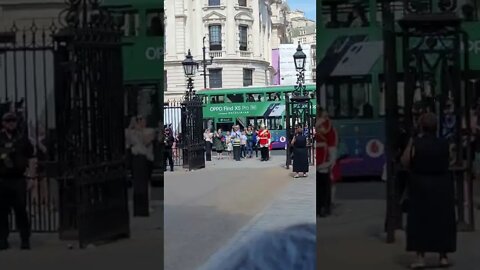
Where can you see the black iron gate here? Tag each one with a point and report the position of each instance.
(433, 73)
(90, 124)
(192, 133)
(26, 88)
(172, 118)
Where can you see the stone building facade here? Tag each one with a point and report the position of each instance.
(239, 34)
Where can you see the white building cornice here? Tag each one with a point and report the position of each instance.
(219, 62)
(244, 18)
(206, 8)
(248, 9)
(214, 16)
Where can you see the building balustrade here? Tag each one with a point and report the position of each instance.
(246, 54)
(216, 54)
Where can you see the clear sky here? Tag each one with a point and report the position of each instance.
(308, 6)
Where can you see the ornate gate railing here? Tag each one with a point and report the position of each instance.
(90, 124)
(192, 134)
(27, 88)
(433, 73)
(173, 119)
(433, 60)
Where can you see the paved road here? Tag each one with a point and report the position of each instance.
(143, 250)
(353, 238)
(294, 205)
(204, 210)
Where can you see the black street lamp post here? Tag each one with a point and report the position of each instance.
(190, 67)
(298, 105)
(192, 120)
(205, 63)
(300, 60)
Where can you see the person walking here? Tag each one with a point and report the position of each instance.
(219, 143)
(236, 143)
(141, 141)
(16, 166)
(264, 138)
(168, 144)
(431, 220)
(208, 137)
(300, 156)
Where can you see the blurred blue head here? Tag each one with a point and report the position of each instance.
(293, 248)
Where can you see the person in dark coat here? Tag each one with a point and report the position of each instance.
(300, 153)
(168, 144)
(431, 221)
(17, 169)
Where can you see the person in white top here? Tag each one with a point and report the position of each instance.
(140, 139)
(228, 142)
(208, 137)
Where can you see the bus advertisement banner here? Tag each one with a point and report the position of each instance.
(260, 109)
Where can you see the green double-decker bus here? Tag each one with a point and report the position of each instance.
(250, 106)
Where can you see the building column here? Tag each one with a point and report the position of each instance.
(232, 33)
(170, 31)
(256, 28)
